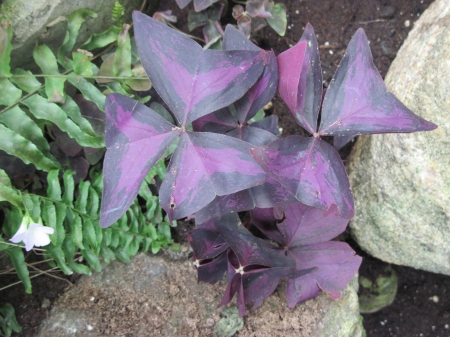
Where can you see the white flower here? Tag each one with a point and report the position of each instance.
(32, 234)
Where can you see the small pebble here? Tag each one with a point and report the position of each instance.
(446, 326)
(210, 322)
(92, 299)
(407, 23)
(89, 327)
(327, 43)
(45, 303)
(297, 11)
(331, 52)
(387, 12)
(435, 299)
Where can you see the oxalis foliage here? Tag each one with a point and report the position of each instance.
(295, 187)
(61, 135)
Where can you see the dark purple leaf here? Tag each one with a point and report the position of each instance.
(306, 225)
(206, 243)
(340, 141)
(357, 101)
(310, 84)
(290, 65)
(201, 168)
(269, 123)
(254, 136)
(220, 121)
(191, 81)
(268, 194)
(212, 271)
(264, 89)
(336, 265)
(92, 113)
(67, 144)
(77, 164)
(309, 168)
(136, 138)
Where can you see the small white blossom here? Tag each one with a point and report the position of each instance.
(32, 234)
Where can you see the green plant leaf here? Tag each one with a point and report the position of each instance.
(54, 86)
(93, 203)
(89, 233)
(8, 315)
(69, 251)
(102, 40)
(17, 258)
(8, 192)
(75, 20)
(42, 109)
(54, 187)
(16, 145)
(92, 259)
(122, 57)
(10, 93)
(89, 91)
(77, 232)
(5, 49)
(83, 193)
(25, 80)
(69, 187)
(122, 255)
(49, 217)
(73, 111)
(81, 64)
(17, 120)
(58, 255)
(33, 205)
(278, 21)
(107, 253)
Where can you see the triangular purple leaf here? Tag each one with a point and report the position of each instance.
(291, 84)
(269, 123)
(306, 225)
(206, 243)
(200, 169)
(264, 89)
(309, 168)
(136, 138)
(191, 81)
(307, 81)
(336, 265)
(268, 194)
(211, 271)
(357, 100)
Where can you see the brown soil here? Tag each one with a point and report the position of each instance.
(415, 311)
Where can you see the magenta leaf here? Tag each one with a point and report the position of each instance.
(357, 101)
(310, 169)
(191, 81)
(201, 168)
(269, 123)
(306, 225)
(265, 88)
(254, 266)
(336, 265)
(210, 257)
(136, 138)
(291, 84)
(268, 194)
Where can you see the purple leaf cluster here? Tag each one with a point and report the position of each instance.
(296, 188)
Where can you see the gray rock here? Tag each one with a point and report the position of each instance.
(45, 21)
(401, 182)
(158, 296)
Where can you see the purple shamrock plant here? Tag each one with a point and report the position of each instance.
(295, 188)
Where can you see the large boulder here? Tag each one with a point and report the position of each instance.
(45, 21)
(160, 296)
(401, 182)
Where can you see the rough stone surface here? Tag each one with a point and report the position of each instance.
(401, 182)
(45, 21)
(160, 296)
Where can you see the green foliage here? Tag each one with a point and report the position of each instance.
(72, 211)
(8, 321)
(30, 109)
